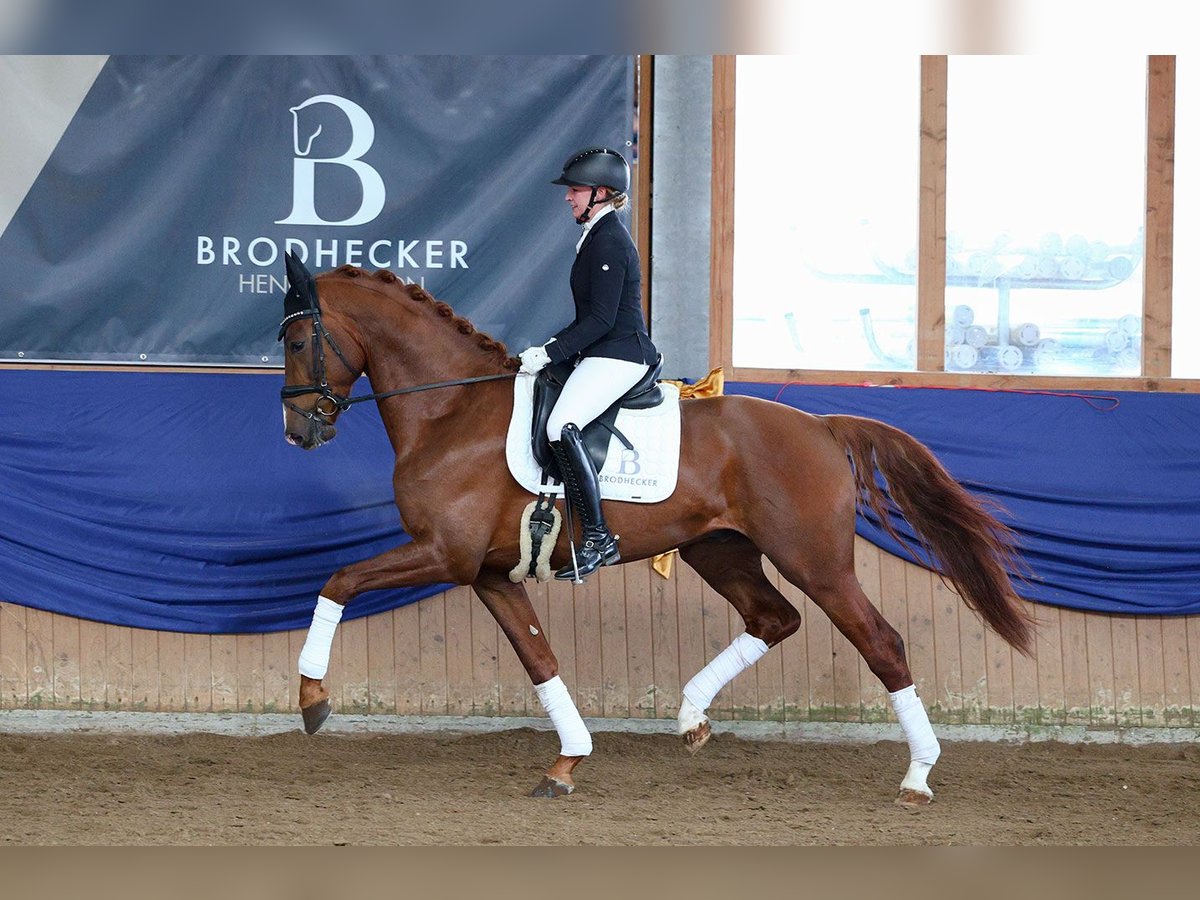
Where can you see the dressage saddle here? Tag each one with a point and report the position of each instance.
(646, 394)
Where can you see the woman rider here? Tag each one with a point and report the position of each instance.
(607, 340)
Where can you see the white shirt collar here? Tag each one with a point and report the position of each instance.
(597, 215)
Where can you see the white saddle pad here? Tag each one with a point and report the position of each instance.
(646, 474)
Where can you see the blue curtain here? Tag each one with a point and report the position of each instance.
(170, 500)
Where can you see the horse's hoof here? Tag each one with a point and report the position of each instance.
(315, 716)
(551, 788)
(911, 799)
(697, 737)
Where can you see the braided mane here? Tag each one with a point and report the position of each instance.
(418, 294)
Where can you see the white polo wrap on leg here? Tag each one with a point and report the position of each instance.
(314, 657)
(559, 706)
(698, 693)
(923, 746)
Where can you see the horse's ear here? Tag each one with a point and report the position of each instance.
(301, 298)
(297, 275)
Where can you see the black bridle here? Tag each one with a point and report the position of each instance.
(335, 403)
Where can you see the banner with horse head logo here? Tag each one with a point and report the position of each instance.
(151, 227)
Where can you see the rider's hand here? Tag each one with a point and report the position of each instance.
(534, 360)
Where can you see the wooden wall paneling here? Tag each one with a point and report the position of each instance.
(353, 672)
(280, 672)
(1151, 665)
(1051, 684)
(720, 316)
(459, 672)
(432, 617)
(643, 168)
(224, 673)
(93, 665)
(249, 652)
(946, 701)
(715, 616)
(931, 240)
(690, 617)
(146, 676)
(198, 672)
(614, 648)
(872, 696)
(64, 632)
(794, 657)
(485, 664)
(1125, 671)
(589, 652)
(1177, 704)
(893, 602)
(1100, 669)
(560, 625)
(406, 656)
(1158, 261)
(818, 645)
(999, 678)
(769, 671)
(172, 677)
(1026, 699)
(973, 654)
(922, 650)
(639, 637)
(668, 679)
(118, 654)
(1077, 682)
(14, 665)
(381, 662)
(1192, 630)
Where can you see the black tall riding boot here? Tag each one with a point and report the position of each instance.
(583, 486)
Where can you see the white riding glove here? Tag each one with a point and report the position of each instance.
(534, 360)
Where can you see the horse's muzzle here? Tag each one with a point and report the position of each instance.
(312, 437)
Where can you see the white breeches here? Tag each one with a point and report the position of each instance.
(591, 389)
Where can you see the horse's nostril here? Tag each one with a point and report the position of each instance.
(294, 439)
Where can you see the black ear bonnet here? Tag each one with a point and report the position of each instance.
(301, 298)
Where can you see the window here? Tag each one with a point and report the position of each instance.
(1185, 319)
(1065, 181)
(1045, 186)
(825, 212)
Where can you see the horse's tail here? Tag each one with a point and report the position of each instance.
(969, 547)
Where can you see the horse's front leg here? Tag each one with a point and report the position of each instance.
(510, 606)
(415, 563)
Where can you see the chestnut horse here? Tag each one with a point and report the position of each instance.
(756, 479)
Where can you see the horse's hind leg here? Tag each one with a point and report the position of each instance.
(835, 589)
(510, 606)
(732, 565)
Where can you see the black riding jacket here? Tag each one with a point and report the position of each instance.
(606, 285)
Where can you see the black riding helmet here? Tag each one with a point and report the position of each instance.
(595, 167)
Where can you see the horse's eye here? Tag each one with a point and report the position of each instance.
(296, 346)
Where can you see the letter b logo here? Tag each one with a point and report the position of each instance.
(629, 462)
(304, 167)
